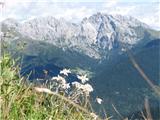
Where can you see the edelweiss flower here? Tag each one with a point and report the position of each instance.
(65, 71)
(43, 90)
(99, 100)
(66, 86)
(77, 85)
(59, 79)
(87, 88)
(83, 78)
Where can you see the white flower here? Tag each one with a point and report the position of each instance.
(59, 79)
(87, 88)
(94, 116)
(99, 100)
(65, 71)
(77, 85)
(83, 78)
(43, 90)
(66, 86)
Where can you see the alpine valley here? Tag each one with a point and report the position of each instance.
(97, 46)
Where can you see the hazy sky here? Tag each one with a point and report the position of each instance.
(147, 11)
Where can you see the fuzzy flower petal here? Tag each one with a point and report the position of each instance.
(83, 78)
(99, 100)
(59, 79)
(65, 72)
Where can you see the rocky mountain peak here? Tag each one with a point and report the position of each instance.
(93, 36)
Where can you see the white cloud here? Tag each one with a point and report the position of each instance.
(75, 11)
(145, 12)
(119, 10)
(110, 3)
(152, 18)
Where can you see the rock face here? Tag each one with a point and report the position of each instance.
(93, 36)
(55, 43)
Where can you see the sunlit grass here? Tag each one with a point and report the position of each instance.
(21, 100)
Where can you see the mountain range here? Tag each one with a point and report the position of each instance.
(97, 45)
(94, 36)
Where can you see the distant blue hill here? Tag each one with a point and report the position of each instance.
(153, 43)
